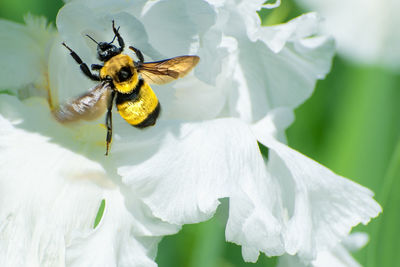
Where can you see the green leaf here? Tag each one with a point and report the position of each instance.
(100, 213)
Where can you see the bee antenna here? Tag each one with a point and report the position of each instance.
(92, 39)
(115, 36)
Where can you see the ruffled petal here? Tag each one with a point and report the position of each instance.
(251, 221)
(262, 74)
(194, 165)
(276, 37)
(319, 208)
(339, 256)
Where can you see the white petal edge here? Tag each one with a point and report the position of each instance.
(321, 206)
(339, 256)
(304, 26)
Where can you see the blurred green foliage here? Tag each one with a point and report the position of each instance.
(355, 132)
(16, 9)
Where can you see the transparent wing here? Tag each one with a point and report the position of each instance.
(88, 106)
(164, 71)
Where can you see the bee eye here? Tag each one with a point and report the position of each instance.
(124, 74)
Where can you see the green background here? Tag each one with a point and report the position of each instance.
(350, 125)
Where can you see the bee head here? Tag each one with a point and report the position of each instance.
(105, 51)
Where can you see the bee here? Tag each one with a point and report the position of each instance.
(124, 80)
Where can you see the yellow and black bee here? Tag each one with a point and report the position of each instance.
(125, 80)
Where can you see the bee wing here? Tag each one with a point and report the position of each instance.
(164, 71)
(88, 106)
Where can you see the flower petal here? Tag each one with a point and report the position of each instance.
(274, 124)
(355, 241)
(251, 222)
(50, 197)
(296, 29)
(113, 242)
(263, 75)
(192, 165)
(319, 207)
(204, 159)
(339, 256)
(23, 52)
(175, 38)
(42, 204)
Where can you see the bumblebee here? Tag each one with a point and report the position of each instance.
(124, 80)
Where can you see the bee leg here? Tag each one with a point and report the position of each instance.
(96, 67)
(84, 67)
(120, 40)
(138, 54)
(109, 122)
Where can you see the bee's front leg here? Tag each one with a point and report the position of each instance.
(84, 67)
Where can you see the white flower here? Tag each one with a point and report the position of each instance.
(203, 147)
(50, 197)
(366, 31)
(339, 256)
